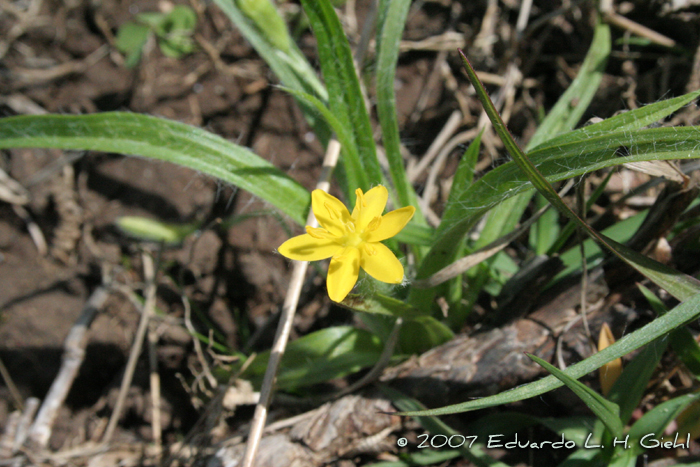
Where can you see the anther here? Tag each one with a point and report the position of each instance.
(361, 197)
(319, 234)
(371, 251)
(373, 224)
(350, 226)
(332, 213)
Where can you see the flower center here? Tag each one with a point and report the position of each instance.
(352, 238)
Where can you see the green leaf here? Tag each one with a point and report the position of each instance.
(153, 19)
(562, 117)
(344, 95)
(155, 231)
(342, 132)
(130, 40)
(381, 304)
(414, 234)
(608, 412)
(464, 176)
(626, 121)
(657, 419)
(423, 333)
(158, 138)
(681, 314)
(422, 457)
(268, 21)
(629, 388)
(321, 356)
(583, 457)
(571, 226)
(181, 17)
(175, 31)
(682, 340)
(544, 232)
(391, 22)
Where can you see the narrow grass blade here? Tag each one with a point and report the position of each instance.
(608, 412)
(344, 94)
(158, 138)
(268, 21)
(545, 231)
(344, 135)
(391, 22)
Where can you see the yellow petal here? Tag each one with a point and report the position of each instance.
(369, 206)
(307, 248)
(330, 212)
(342, 273)
(391, 223)
(380, 263)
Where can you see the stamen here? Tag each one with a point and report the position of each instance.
(332, 213)
(374, 224)
(350, 226)
(370, 250)
(361, 197)
(319, 234)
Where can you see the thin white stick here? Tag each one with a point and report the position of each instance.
(286, 320)
(73, 355)
(523, 17)
(149, 308)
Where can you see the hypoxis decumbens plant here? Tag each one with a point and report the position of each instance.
(335, 107)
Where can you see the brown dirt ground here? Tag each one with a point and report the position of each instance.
(61, 60)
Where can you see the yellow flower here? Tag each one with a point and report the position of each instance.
(352, 240)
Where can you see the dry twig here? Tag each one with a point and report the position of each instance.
(148, 309)
(73, 355)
